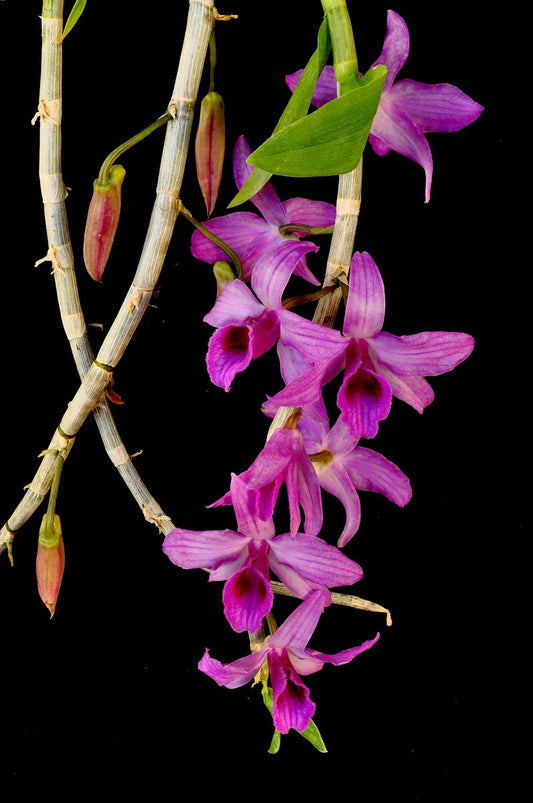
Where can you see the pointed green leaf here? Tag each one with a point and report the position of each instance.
(296, 108)
(312, 734)
(330, 140)
(275, 743)
(73, 17)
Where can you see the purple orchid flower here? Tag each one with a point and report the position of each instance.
(243, 558)
(283, 459)
(250, 235)
(250, 321)
(407, 109)
(377, 365)
(288, 657)
(343, 468)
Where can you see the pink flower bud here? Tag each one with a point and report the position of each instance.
(102, 222)
(50, 563)
(209, 147)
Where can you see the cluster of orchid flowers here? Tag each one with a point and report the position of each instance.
(307, 455)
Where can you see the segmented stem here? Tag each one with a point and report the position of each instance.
(97, 374)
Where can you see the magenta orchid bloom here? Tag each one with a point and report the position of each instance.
(377, 365)
(283, 460)
(407, 109)
(343, 468)
(250, 321)
(243, 558)
(249, 235)
(288, 657)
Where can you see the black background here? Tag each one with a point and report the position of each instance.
(107, 692)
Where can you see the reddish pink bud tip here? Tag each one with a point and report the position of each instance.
(102, 222)
(209, 147)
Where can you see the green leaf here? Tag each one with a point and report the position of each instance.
(73, 17)
(330, 140)
(275, 743)
(296, 108)
(312, 734)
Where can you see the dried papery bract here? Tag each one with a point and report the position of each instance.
(102, 221)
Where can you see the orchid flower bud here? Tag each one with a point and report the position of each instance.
(209, 147)
(224, 274)
(102, 221)
(50, 562)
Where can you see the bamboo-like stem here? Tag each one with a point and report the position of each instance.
(97, 376)
(60, 250)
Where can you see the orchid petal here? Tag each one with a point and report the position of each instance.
(266, 200)
(294, 582)
(236, 305)
(292, 706)
(344, 656)
(364, 400)
(291, 362)
(264, 333)
(435, 107)
(244, 503)
(315, 560)
(370, 471)
(240, 230)
(317, 343)
(303, 391)
(274, 268)
(365, 307)
(325, 87)
(247, 599)
(413, 390)
(235, 674)
(423, 354)
(395, 48)
(310, 213)
(336, 480)
(204, 549)
(303, 490)
(299, 626)
(393, 129)
(229, 352)
(339, 439)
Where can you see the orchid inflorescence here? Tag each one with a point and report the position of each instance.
(339, 370)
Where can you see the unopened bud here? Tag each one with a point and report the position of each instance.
(50, 562)
(209, 147)
(102, 222)
(224, 274)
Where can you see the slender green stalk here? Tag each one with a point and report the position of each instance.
(109, 161)
(214, 239)
(52, 498)
(98, 375)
